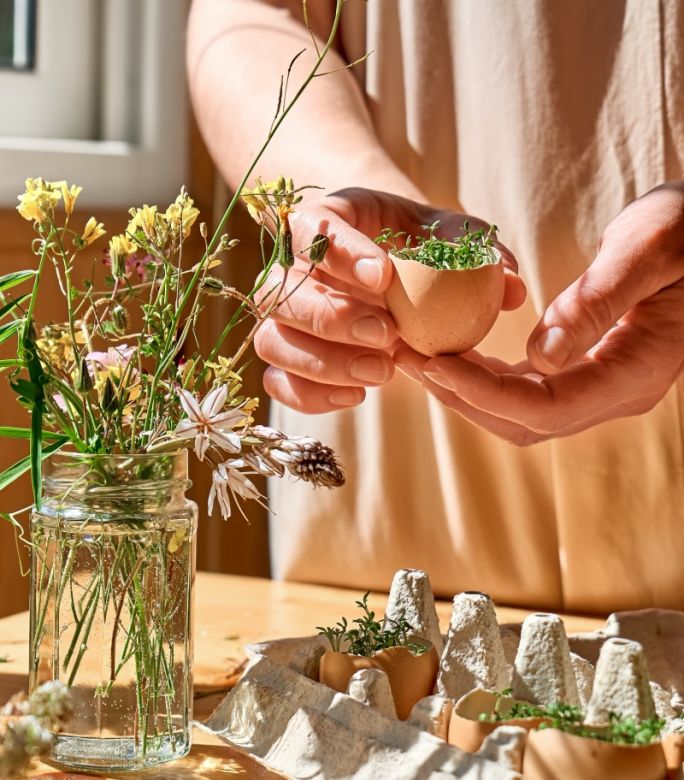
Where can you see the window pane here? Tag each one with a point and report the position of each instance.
(17, 34)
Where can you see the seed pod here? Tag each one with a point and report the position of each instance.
(212, 285)
(108, 397)
(120, 318)
(285, 254)
(85, 381)
(319, 246)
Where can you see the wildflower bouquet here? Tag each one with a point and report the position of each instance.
(118, 391)
(125, 373)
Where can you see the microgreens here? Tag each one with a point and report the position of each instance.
(470, 250)
(369, 636)
(570, 719)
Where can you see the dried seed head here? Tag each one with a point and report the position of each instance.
(308, 459)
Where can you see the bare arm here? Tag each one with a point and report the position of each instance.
(237, 51)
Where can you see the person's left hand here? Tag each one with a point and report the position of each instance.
(610, 345)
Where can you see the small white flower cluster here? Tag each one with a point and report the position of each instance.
(29, 733)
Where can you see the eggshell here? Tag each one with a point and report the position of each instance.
(411, 677)
(673, 747)
(441, 311)
(467, 732)
(554, 755)
(336, 669)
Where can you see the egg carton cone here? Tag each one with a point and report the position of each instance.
(473, 655)
(411, 597)
(543, 671)
(621, 684)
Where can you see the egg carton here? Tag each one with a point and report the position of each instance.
(280, 714)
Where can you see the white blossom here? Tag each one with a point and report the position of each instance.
(206, 423)
(227, 480)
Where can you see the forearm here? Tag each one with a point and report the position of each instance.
(237, 51)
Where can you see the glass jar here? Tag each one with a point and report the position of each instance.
(112, 577)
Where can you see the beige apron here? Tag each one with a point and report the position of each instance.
(547, 118)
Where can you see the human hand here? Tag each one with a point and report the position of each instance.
(333, 337)
(610, 345)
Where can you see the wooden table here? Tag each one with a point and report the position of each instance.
(231, 611)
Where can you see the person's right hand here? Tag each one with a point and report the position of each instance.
(333, 337)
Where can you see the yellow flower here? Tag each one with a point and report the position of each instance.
(92, 231)
(144, 219)
(181, 214)
(69, 195)
(39, 200)
(279, 194)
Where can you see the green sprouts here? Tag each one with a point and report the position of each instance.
(470, 250)
(369, 636)
(570, 719)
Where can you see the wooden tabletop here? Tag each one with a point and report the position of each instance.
(230, 612)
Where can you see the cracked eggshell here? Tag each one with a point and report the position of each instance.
(554, 755)
(411, 677)
(468, 732)
(441, 311)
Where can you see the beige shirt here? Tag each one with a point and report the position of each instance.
(546, 117)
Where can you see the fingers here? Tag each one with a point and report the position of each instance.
(627, 376)
(412, 364)
(352, 257)
(314, 308)
(515, 291)
(640, 254)
(309, 397)
(321, 361)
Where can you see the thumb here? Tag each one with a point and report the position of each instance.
(582, 314)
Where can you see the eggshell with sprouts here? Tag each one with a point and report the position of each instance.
(444, 311)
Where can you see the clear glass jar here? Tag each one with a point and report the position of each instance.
(112, 576)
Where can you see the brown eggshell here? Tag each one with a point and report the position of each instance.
(411, 677)
(554, 755)
(467, 732)
(444, 312)
(673, 747)
(336, 669)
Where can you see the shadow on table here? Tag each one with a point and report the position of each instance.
(205, 762)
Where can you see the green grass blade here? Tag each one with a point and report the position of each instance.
(16, 277)
(9, 329)
(19, 468)
(10, 432)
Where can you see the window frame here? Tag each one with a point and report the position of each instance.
(151, 164)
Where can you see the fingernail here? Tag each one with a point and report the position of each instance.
(370, 330)
(554, 346)
(438, 379)
(369, 368)
(369, 272)
(346, 396)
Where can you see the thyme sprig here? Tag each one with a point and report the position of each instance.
(470, 250)
(370, 636)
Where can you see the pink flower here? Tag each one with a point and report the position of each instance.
(115, 357)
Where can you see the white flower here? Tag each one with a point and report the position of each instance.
(226, 480)
(206, 422)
